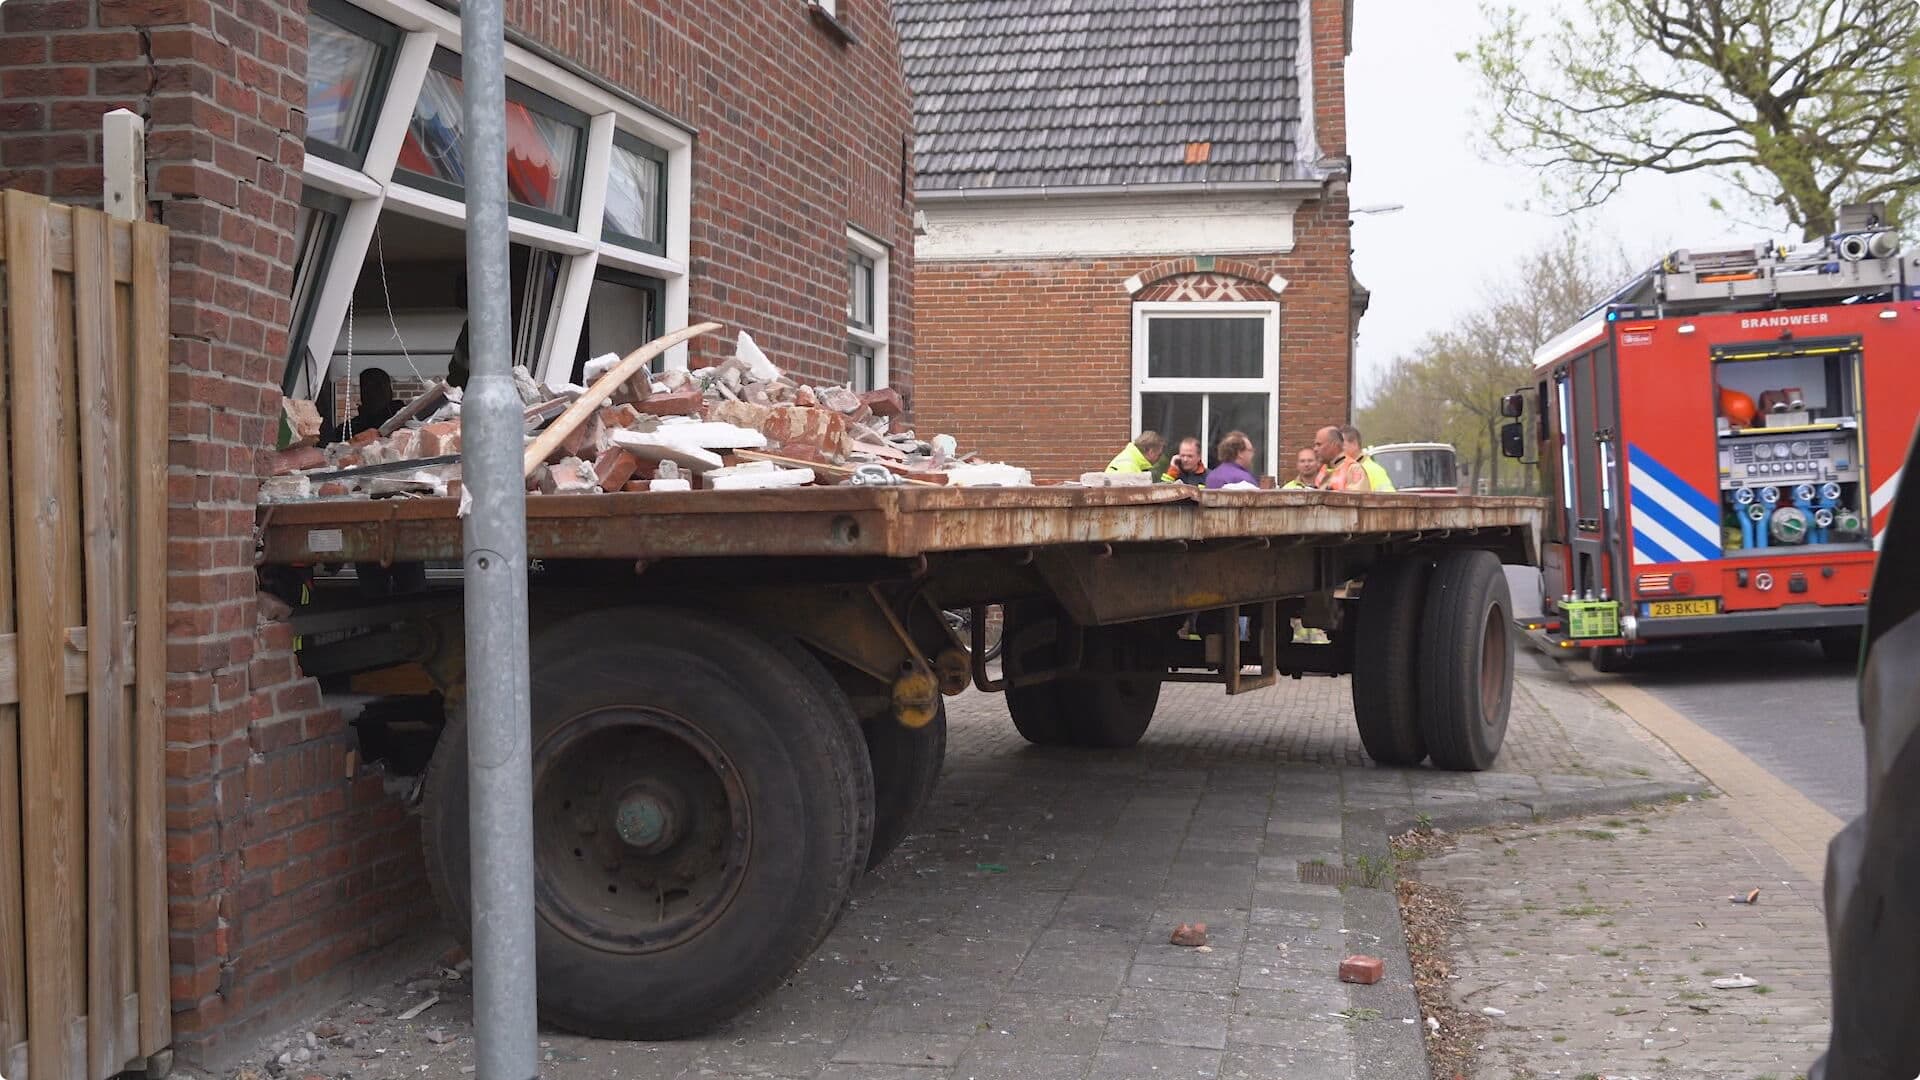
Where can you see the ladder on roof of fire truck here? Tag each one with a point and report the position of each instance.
(1860, 261)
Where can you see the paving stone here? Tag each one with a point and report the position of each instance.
(1170, 1017)
(1275, 1063)
(980, 1063)
(1046, 1023)
(1123, 1061)
(919, 1049)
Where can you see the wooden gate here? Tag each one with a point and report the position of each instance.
(83, 450)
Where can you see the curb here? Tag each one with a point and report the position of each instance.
(1389, 1049)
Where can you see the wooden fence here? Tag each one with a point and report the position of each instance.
(83, 446)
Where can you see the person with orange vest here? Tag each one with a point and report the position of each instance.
(1342, 473)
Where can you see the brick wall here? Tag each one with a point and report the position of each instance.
(801, 135)
(288, 862)
(1031, 362)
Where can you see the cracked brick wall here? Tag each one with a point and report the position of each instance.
(1031, 362)
(290, 866)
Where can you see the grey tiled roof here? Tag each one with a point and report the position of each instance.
(1025, 93)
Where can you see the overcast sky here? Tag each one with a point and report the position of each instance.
(1410, 130)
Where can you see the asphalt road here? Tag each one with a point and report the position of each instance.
(1779, 702)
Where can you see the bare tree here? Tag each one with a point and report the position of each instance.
(1800, 105)
(1449, 388)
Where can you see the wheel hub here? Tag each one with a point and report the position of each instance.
(646, 822)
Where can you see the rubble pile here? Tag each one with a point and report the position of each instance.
(741, 424)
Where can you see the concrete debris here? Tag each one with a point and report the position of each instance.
(430, 1002)
(704, 424)
(1116, 479)
(1735, 982)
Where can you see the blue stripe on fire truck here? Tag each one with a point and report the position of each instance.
(1672, 521)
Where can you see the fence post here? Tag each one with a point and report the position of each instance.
(124, 160)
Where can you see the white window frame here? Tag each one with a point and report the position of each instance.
(374, 188)
(1267, 382)
(876, 339)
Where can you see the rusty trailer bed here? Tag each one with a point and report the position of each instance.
(886, 522)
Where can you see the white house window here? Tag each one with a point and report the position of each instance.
(636, 213)
(349, 55)
(599, 193)
(866, 311)
(1201, 370)
(545, 140)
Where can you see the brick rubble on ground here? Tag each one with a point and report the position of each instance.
(737, 425)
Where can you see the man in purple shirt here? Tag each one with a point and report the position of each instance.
(1235, 456)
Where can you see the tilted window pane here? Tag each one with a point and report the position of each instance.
(340, 66)
(432, 147)
(540, 156)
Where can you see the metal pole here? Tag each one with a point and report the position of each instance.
(499, 766)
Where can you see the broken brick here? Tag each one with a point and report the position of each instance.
(1190, 935)
(636, 485)
(403, 445)
(296, 460)
(438, 440)
(619, 416)
(334, 489)
(838, 398)
(1365, 970)
(674, 403)
(584, 440)
(614, 468)
(570, 476)
(814, 427)
(365, 438)
(741, 414)
(303, 422)
(884, 402)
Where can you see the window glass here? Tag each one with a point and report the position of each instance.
(623, 313)
(862, 367)
(633, 212)
(1209, 417)
(340, 70)
(1204, 348)
(542, 149)
(860, 291)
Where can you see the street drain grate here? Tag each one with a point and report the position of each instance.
(1319, 873)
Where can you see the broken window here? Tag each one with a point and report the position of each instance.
(1204, 369)
(594, 257)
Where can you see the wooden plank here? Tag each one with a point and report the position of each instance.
(13, 954)
(76, 644)
(149, 529)
(129, 706)
(109, 769)
(60, 228)
(50, 750)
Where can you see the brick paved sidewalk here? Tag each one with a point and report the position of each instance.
(1022, 933)
(1600, 939)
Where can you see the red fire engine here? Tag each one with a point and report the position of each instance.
(1721, 441)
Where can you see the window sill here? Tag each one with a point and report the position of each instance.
(832, 25)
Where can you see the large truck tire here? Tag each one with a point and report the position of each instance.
(1090, 711)
(698, 820)
(906, 767)
(1466, 660)
(1038, 713)
(1386, 683)
(1611, 659)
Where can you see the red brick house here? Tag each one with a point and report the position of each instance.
(1134, 215)
(702, 159)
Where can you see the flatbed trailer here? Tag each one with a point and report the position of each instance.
(736, 696)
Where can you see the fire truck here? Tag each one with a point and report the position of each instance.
(1721, 439)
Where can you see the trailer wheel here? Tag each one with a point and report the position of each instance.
(1386, 684)
(1105, 712)
(1466, 660)
(696, 821)
(1095, 711)
(906, 767)
(1037, 710)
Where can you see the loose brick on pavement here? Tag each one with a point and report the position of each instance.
(1023, 930)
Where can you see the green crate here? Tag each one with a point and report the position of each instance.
(1592, 618)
